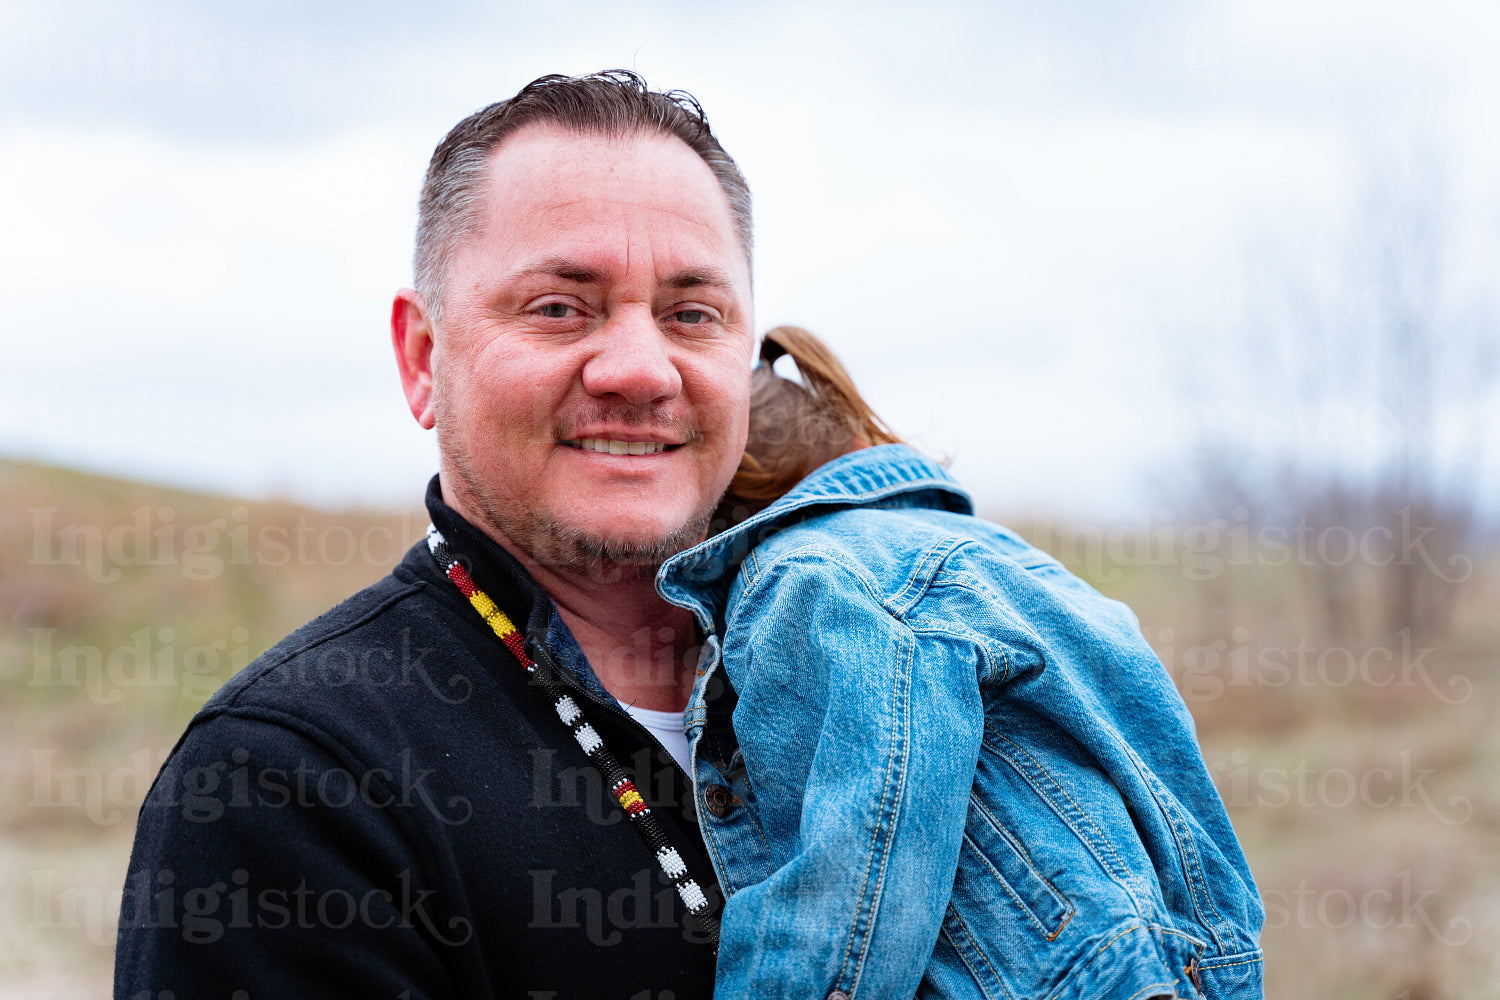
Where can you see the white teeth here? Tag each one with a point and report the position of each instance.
(611, 447)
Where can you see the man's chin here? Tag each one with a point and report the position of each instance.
(608, 556)
(554, 542)
(626, 556)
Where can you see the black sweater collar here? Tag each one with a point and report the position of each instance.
(501, 575)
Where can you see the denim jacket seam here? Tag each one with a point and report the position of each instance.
(711, 840)
(755, 580)
(1050, 935)
(1198, 885)
(1025, 856)
(996, 658)
(1210, 964)
(1115, 868)
(1187, 852)
(921, 578)
(1198, 943)
(866, 913)
(943, 572)
(750, 568)
(1098, 953)
(1220, 924)
(974, 947)
(963, 578)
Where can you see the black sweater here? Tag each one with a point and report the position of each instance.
(381, 806)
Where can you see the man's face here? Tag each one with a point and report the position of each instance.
(591, 373)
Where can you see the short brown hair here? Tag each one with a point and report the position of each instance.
(614, 102)
(794, 428)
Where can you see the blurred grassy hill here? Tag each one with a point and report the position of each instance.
(1361, 771)
(1360, 764)
(123, 606)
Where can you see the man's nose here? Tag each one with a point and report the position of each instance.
(632, 360)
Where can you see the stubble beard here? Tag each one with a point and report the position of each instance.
(544, 536)
(563, 547)
(608, 559)
(551, 542)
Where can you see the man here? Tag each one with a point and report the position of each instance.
(403, 798)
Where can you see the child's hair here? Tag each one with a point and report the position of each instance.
(794, 428)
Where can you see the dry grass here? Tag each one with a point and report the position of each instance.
(1359, 770)
(1365, 796)
(122, 607)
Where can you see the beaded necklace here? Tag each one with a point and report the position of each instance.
(615, 776)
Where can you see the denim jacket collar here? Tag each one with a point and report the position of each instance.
(892, 475)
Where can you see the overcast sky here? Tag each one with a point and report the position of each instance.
(1041, 241)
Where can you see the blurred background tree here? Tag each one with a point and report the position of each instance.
(1347, 424)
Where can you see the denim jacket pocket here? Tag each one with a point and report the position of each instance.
(992, 855)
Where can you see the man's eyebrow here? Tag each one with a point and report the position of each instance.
(697, 277)
(563, 267)
(572, 270)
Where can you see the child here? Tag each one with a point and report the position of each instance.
(960, 771)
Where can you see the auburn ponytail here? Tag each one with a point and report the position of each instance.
(794, 428)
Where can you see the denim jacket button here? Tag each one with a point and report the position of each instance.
(718, 800)
(838, 995)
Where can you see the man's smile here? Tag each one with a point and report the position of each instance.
(614, 446)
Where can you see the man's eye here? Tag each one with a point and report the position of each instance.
(691, 316)
(554, 310)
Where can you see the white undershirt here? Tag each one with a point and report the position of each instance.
(667, 728)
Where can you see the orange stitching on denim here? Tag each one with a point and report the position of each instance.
(1185, 844)
(905, 672)
(1005, 884)
(1099, 954)
(1120, 865)
(974, 946)
(985, 653)
(1020, 848)
(1202, 886)
(921, 579)
(1176, 933)
(1230, 965)
(1154, 987)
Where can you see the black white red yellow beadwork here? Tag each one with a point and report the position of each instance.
(588, 738)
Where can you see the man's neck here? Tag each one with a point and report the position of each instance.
(643, 650)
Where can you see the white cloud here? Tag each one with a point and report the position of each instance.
(1012, 225)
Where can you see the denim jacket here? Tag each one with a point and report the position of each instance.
(954, 769)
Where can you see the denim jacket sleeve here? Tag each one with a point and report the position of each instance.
(864, 734)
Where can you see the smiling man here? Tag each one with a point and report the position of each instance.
(470, 779)
(584, 357)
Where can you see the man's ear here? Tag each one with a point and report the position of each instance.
(411, 336)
